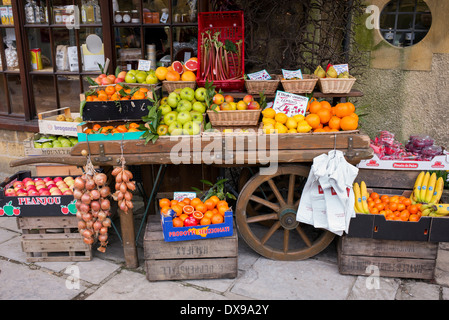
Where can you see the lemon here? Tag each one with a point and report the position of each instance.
(281, 117)
(292, 130)
(280, 128)
(268, 128)
(269, 113)
(303, 127)
(268, 120)
(298, 117)
(291, 123)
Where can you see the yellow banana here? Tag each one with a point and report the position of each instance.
(365, 196)
(442, 209)
(422, 194)
(358, 207)
(438, 191)
(417, 187)
(430, 187)
(426, 212)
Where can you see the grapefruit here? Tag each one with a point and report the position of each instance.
(191, 64)
(177, 66)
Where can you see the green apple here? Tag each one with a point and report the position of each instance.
(200, 94)
(57, 144)
(130, 78)
(132, 71)
(37, 144)
(187, 94)
(170, 117)
(184, 117)
(73, 140)
(174, 126)
(191, 128)
(199, 107)
(141, 76)
(65, 143)
(177, 132)
(47, 144)
(152, 79)
(196, 116)
(53, 138)
(173, 99)
(184, 105)
(165, 108)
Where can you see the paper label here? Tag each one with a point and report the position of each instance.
(290, 103)
(259, 75)
(144, 65)
(340, 68)
(290, 74)
(180, 195)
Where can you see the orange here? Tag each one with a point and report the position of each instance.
(374, 195)
(188, 76)
(143, 90)
(393, 206)
(401, 206)
(161, 73)
(215, 211)
(133, 130)
(188, 209)
(325, 104)
(89, 98)
(324, 114)
(115, 97)
(180, 203)
(385, 198)
(201, 207)
(96, 127)
(334, 123)
(222, 203)
(172, 76)
(186, 200)
(208, 214)
(215, 199)
(350, 106)
(177, 222)
(134, 125)
(349, 123)
(103, 97)
(404, 215)
(313, 120)
(177, 209)
(217, 218)
(195, 201)
(183, 216)
(380, 206)
(413, 217)
(118, 87)
(354, 115)
(173, 202)
(223, 209)
(310, 102)
(407, 202)
(319, 130)
(198, 215)
(394, 199)
(205, 221)
(122, 128)
(164, 202)
(374, 211)
(110, 90)
(342, 110)
(138, 95)
(314, 107)
(210, 204)
(164, 210)
(413, 209)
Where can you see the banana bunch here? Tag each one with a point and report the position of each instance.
(427, 189)
(435, 210)
(361, 196)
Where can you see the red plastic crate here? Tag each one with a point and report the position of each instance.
(231, 26)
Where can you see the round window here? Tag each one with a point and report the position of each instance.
(405, 22)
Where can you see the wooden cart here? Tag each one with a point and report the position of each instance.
(267, 203)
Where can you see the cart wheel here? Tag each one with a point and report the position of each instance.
(284, 238)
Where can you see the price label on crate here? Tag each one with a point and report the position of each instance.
(179, 195)
(290, 103)
(259, 75)
(144, 65)
(292, 74)
(340, 68)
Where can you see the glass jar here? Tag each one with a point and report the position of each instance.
(135, 16)
(118, 16)
(148, 17)
(126, 16)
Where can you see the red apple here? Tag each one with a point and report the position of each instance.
(39, 182)
(53, 189)
(248, 98)
(47, 179)
(253, 105)
(67, 192)
(21, 192)
(229, 98)
(45, 193)
(56, 193)
(33, 192)
(31, 187)
(121, 75)
(103, 75)
(106, 81)
(56, 179)
(111, 77)
(43, 190)
(119, 80)
(10, 192)
(27, 179)
(98, 80)
(18, 184)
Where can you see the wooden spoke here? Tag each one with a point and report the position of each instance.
(276, 193)
(291, 189)
(259, 205)
(270, 232)
(286, 236)
(303, 236)
(264, 202)
(263, 217)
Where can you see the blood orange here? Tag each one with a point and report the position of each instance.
(198, 215)
(188, 209)
(177, 66)
(191, 64)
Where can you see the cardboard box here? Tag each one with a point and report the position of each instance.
(49, 124)
(33, 206)
(437, 163)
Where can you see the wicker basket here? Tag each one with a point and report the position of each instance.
(305, 85)
(265, 86)
(171, 86)
(234, 117)
(336, 85)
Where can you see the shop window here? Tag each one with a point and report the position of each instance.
(404, 23)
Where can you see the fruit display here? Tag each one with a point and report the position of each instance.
(54, 141)
(182, 112)
(92, 194)
(193, 212)
(321, 117)
(178, 71)
(111, 129)
(427, 191)
(117, 92)
(330, 72)
(46, 186)
(417, 148)
(131, 76)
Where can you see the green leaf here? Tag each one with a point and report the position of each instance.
(117, 71)
(82, 104)
(230, 46)
(101, 68)
(91, 82)
(207, 182)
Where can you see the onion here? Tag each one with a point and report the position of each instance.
(128, 175)
(105, 191)
(116, 171)
(100, 179)
(131, 185)
(87, 233)
(87, 217)
(128, 196)
(122, 206)
(119, 177)
(101, 216)
(97, 225)
(90, 224)
(105, 204)
(120, 195)
(79, 183)
(81, 225)
(90, 184)
(95, 194)
(77, 193)
(88, 240)
(85, 198)
(79, 215)
(84, 208)
(95, 205)
(129, 204)
(103, 237)
(123, 188)
(107, 223)
(103, 230)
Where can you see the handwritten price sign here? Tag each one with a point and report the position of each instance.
(290, 103)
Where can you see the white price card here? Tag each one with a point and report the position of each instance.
(179, 195)
(290, 103)
(259, 75)
(144, 65)
(290, 74)
(340, 68)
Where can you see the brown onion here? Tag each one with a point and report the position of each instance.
(79, 215)
(95, 194)
(100, 179)
(122, 206)
(131, 185)
(107, 223)
(128, 196)
(77, 194)
(88, 240)
(90, 184)
(87, 217)
(79, 183)
(90, 224)
(85, 198)
(95, 205)
(119, 177)
(116, 171)
(101, 216)
(81, 224)
(105, 191)
(103, 230)
(120, 195)
(103, 237)
(129, 204)
(97, 225)
(84, 208)
(105, 204)
(128, 175)
(123, 187)
(87, 233)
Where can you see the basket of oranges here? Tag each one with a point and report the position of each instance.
(178, 75)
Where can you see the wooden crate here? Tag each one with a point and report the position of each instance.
(393, 258)
(53, 239)
(195, 259)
